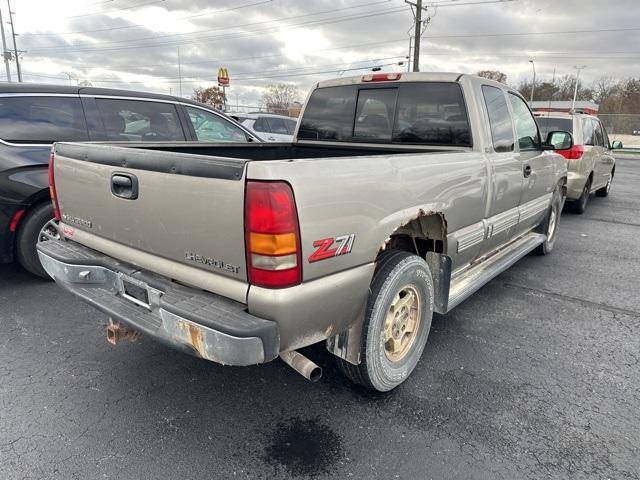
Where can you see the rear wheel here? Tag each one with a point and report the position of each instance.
(396, 325)
(28, 235)
(604, 191)
(580, 205)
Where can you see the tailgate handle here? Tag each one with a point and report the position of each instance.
(124, 185)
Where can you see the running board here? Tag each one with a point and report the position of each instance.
(470, 281)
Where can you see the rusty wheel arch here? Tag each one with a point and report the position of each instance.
(426, 232)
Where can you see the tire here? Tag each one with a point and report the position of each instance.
(604, 191)
(28, 235)
(580, 205)
(402, 281)
(550, 224)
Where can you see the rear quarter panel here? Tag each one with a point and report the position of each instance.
(370, 197)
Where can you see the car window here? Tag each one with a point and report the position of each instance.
(432, 113)
(605, 137)
(291, 125)
(210, 127)
(598, 136)
(261, 125)
(428, 113)
(588, 131)
(526, 126)
(550, 124)
(139, 120)
(42, 119)
(374, 113)
(277, 125)
(499, 119)
(329, 114)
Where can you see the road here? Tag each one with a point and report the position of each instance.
(535, 376)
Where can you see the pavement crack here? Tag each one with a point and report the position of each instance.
(580, 301)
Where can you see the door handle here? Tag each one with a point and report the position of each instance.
(526, 170)
(124, 185)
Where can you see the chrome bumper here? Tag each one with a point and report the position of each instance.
(201, 323)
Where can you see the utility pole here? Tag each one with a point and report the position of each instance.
(575, 90)
(5, 53)
(15, 46)
(418, 28)
(179, 72)
(533, 84)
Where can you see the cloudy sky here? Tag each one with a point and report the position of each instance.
(135, 44)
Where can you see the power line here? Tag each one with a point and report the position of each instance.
(281, 72)
(251, 24)
(137, 25)
(324, 22)
(101, 12)
(105, 46)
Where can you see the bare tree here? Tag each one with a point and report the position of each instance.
(604, 87)
(496, 75)
(211, 96)
(279, 98)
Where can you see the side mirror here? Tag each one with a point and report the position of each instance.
(558, 140)
(616, 144)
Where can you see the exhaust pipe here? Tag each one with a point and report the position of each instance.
(302, 365)
(117, 331)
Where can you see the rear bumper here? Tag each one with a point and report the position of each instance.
(201, 323)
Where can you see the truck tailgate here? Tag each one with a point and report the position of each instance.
(140, 204)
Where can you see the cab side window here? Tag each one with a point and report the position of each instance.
(499, 119)
(526, 126)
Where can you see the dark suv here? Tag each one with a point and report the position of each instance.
(32, 117)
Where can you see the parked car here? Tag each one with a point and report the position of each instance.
(401, 196)
(32, 117)
(590, 161)
(268, 126)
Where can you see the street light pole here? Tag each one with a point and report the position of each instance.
(575, 90)
(533, 85)
(5, 52)
(15, 46)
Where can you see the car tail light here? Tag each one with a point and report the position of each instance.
(52, 188)
(13, 225)
(272, 235)
(574, 153)
(381, 77)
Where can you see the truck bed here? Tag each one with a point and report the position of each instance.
(277, 151)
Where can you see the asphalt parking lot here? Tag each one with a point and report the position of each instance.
(535, 376)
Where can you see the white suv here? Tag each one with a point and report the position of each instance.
(268, 126)
(590, 163)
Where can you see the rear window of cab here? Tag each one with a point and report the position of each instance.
(428, 113)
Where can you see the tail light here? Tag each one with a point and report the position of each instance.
(52, 188)
(574, 153)
(381, 77)
(272, 235)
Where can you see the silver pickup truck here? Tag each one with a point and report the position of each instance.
(401, 195)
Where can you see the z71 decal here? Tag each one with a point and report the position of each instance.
(332, 247)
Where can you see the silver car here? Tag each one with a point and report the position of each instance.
(590, 163)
